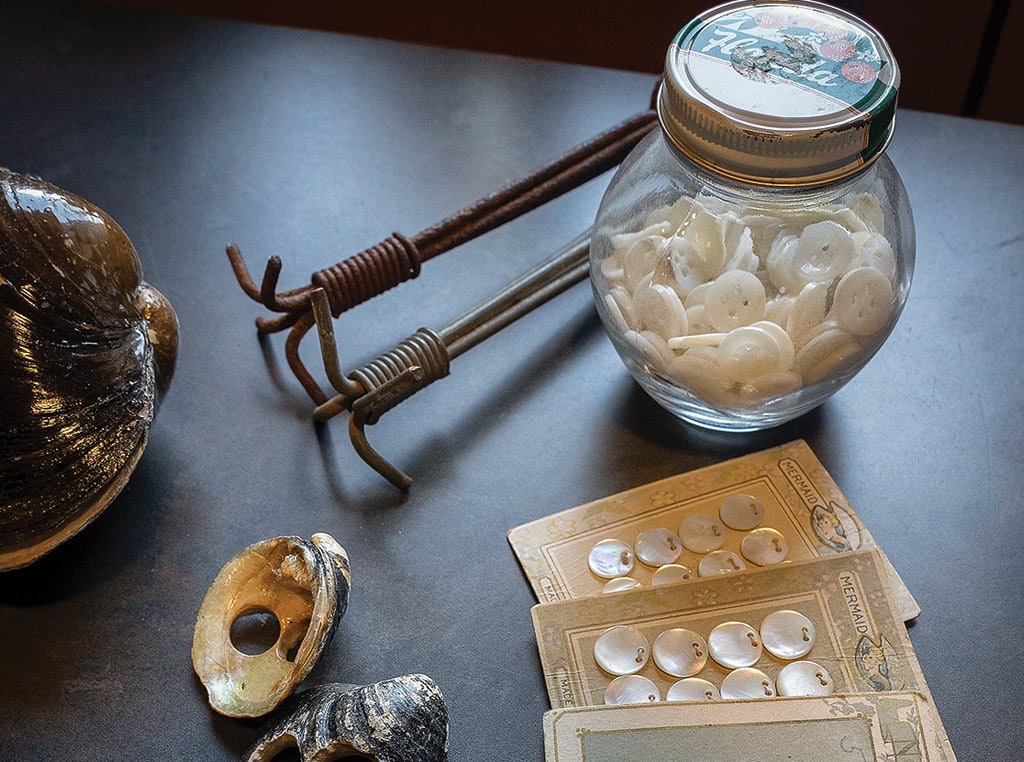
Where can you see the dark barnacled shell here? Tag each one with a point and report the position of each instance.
(86, 348)
(400, 720)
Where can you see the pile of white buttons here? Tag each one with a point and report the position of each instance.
(659, 548)
(738, 305)
(623, 650)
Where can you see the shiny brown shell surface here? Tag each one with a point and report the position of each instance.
(85, 345)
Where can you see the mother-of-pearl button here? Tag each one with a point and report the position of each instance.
(804, 678)
(610, 558)
(670, 573)
(720, 562)
(619, 584)
(693, 689)
(748, 352)
(657, 547)
(764, 546)
(735, 644)
(660, 310)
(741, 512)
(701, 533)
(787, 634)
(747, 683)
(863, 301)
(735, 298)
(631, 689)
(680, 652)
(621, 650)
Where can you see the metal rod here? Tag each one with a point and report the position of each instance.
(425, 356)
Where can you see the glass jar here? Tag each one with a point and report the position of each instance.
(753, 254)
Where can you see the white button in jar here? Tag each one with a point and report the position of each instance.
(749, 352)
(822, 253)
(735, 298)
(660, 310)
(621, 650)
(863, 301)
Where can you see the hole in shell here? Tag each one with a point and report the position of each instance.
(255, 632)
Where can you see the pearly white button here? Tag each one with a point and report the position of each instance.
(720, 562)
(735, 298)
(660, 310)
(671, 573)
(808, 311)
(735, 644)
(748, 352)
(680, 652)
(747, 683)
(741, 512)
(621, 650)
(787, 352)
(631, 689)
(787, 634)
(701, 533)
(764, 546)
(804, 678)
(657, 547)
(863, 301)
(610, 558)
(693, 689)
(619, 584)
(823, 252)
(825, 353)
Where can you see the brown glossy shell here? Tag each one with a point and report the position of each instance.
(86, 347)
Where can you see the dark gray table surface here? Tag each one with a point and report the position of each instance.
(193, 133)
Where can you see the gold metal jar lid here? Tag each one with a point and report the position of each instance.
(779, 93)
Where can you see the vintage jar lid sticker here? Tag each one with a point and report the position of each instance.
(781, 92)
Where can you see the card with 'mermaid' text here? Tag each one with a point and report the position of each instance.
(775, 506)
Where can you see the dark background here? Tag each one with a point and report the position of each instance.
(194, 132)
(956, 57)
